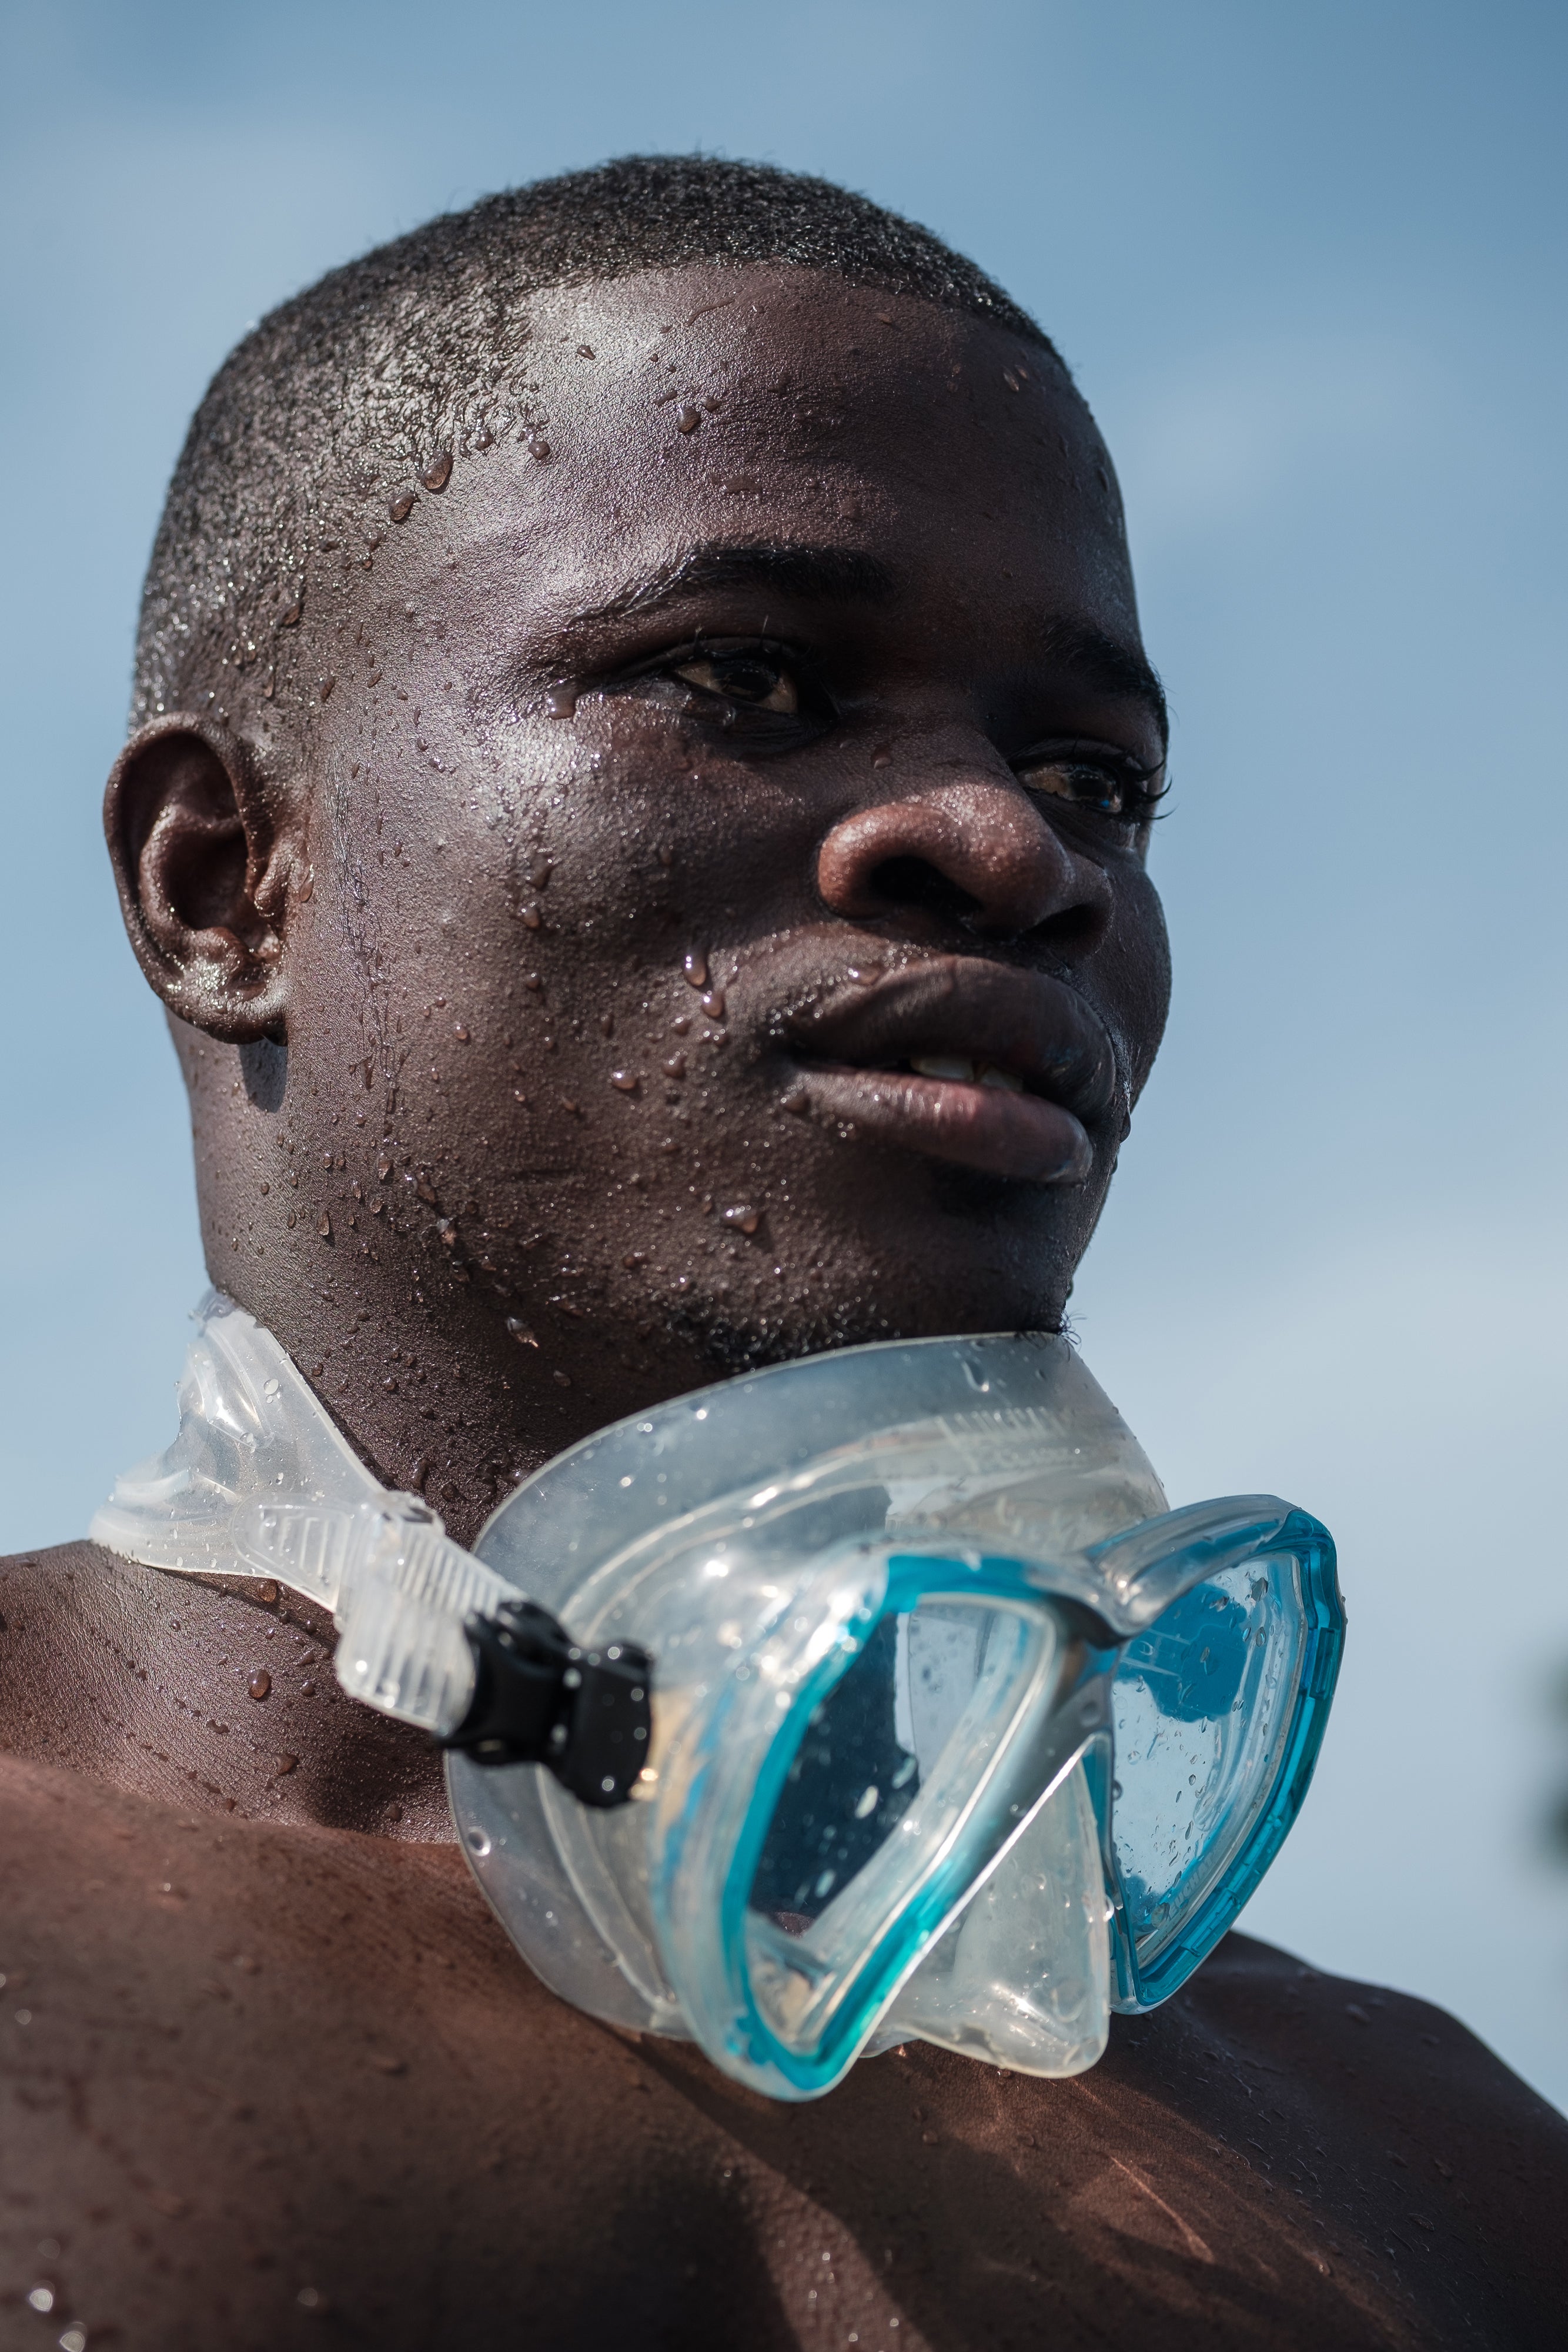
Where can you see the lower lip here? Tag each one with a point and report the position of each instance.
(988, 1128)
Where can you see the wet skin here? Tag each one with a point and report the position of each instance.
(605, 855)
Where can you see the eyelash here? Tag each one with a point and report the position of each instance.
(1137, 793)
(1130, 781)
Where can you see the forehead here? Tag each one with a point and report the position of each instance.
(709, 406)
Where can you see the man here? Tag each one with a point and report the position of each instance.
(643, 766)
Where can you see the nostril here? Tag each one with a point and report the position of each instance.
(915, 882)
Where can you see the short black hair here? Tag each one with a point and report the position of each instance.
(418, 354)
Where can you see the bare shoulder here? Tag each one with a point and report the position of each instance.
(1390, 2143)
(248, 2073)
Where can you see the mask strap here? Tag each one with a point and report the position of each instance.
(260, 1483)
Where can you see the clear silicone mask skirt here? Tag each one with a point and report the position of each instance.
(958, 1733)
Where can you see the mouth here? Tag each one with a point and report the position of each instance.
(965, 1061)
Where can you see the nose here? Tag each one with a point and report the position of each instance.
(974, 853)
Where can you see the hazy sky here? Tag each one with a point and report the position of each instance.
(1307, 262)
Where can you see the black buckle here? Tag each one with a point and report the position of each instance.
(538, 1699)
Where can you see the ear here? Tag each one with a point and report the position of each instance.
(203, 867)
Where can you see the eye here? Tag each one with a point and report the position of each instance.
(757, 681)
(1102, 782)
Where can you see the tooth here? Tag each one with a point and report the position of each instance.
(943, 1065)
(1002, 1080)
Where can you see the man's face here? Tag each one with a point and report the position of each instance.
(727, 833)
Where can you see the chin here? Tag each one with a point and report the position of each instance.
(733, 1337)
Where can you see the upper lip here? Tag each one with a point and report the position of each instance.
(1027, 1022)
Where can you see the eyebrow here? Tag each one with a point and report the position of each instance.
(1109, 665)
(825, 574)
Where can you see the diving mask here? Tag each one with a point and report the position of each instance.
(934, 1722)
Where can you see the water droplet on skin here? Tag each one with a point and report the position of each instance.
(383, 1166)
(881, 757)
(744, 1220)
(531, 918)
(541, 869)
(459, 1032)
(795, 1102)
(520, 1332)
(324, 1226)
(676, 1067)
(286, 1764)
(531, 980)
(694, 967)
(268, 1590)
(537, 445)
(688, 418)
(585, 350)
(713, 1003)
(438, 473)
(291, 619)
(625, 1081)
(560, 1380)
(446, 1228)
(327, 686)
(259, 1683)
(560, 701)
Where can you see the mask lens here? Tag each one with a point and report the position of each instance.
(1204, 1705)
(880, 1734)
(908, 1778)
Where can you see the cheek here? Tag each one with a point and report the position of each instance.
(1139, 970)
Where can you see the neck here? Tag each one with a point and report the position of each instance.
(205, 1692)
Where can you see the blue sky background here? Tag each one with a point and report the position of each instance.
(1307, 260)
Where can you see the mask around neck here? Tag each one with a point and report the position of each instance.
(957, 1731)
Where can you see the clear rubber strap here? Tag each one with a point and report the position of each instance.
(261, 1483)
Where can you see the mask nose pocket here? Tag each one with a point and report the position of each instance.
(892, 1778)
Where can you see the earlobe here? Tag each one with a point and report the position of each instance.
(202, 866)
